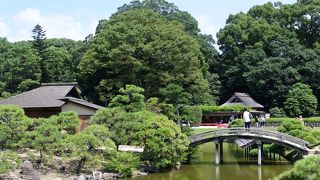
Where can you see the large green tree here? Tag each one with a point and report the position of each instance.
(39, 43)
(58, 65)
(301, 101)
(268, 49)
(190, 24)
(19, 67)
(142, 48)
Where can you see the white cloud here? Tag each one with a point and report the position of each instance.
(55, 25)
(28, 16)
(93, 26)
(4, 30)
(206, 26)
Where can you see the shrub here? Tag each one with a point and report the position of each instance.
(192, 114)
(236, 123)
(307, 168)
(297, 129)
(213, 109)
(13, 125)
(157, 107)
(67, 121)
(254, 153)
(277, 112)
(123, 163)
(103, 134)
(165, 144)
(83, 147)
(8, 160)
(301, 101)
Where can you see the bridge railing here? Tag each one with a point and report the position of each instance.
(256, 132)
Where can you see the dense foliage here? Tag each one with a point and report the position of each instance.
(191, 115)
(277, 112)
(123, 163)
(301, 101)
(164, 143)
(270, 48)
(272, 52)
(307, 168)
(141, 47)
(275, 122)
(297, 129)
(155, 45)
(9, 160)
(213, 109)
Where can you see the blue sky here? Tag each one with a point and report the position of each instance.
(75, 19)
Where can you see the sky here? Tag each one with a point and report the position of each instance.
(75, 19)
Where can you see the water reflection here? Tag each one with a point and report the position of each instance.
(260, 173)
(218, 172)
(235, 166)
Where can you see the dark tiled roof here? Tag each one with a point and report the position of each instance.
(242, 99)
(82, 102)
(49, 95)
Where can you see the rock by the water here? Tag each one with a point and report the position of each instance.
(12, 175)
(82, 177)
(108, 176)
(27, 171)
(85, 177)
(97, 175)
(89, 177)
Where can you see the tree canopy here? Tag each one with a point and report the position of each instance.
(142, 48)
(270, 48)
(153, 44)
(301, 101)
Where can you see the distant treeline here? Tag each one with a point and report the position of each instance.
(155, 45)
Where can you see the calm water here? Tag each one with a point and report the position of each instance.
(235, 166)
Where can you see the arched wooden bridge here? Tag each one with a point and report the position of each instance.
(259, 135)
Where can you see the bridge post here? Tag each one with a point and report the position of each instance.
(217, 152)
(221, 152)
(259, 152)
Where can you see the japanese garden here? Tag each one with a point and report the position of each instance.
(150, 96)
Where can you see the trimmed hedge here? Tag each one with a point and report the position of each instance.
(312, 121)
(213, 109)
(193, 114)
(306, 120)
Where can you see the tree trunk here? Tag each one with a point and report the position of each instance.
(178, 116)
(80, 165)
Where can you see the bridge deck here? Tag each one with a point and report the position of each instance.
(252, 133)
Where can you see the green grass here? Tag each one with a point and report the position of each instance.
(270, 128)
(202, 130)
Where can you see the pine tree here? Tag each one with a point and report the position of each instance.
(39, 43)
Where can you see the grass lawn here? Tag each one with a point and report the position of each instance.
(270, 128)
(202, 130)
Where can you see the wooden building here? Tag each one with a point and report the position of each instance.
(222, 117)
(51, 99)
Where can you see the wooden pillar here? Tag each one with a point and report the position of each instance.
(245, 152)
(221, 152)
(217, 152)
(259, 152)
(270, 155)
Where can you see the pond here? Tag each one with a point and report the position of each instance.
(235, 166)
